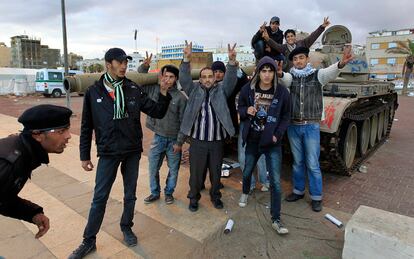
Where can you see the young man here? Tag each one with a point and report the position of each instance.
(259, 45)
(306, 85)
(264, 108)
(207, 121)
(46, 130)
(292, 43)
(167, 139)
(112, 109)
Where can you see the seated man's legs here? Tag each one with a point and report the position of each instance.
(259, 49)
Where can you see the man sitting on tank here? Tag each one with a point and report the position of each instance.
(292, 43)
(259, 45)
(306, 83)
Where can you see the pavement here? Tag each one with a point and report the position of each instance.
(172, 231)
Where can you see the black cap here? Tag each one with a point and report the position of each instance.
(171, 69)
(45, 117)
(298, 50)
(275, 19)
(218, 65)
(117, 54)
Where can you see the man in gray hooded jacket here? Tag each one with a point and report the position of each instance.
(207, 122)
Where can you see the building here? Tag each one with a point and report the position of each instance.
(73, 60)
(26, 52)
(5, 55)
(50, 57)
(176, 51)
(385, 65)
(136, 61)
(245, 55)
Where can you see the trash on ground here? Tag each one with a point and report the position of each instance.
(363, 169)
(333, 220)
(229, 226)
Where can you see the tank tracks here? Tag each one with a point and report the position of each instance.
(331, 142)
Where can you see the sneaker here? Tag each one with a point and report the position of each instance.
(83, 250)
(193, 206)
(316, 205)
(218, 204)
(151, 199)
(243, 200)
(265, 188)
(280, 229)
(130, 238)
(169, 199)
(294, 197)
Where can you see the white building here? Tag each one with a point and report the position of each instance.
(245, 55)
(136, 61)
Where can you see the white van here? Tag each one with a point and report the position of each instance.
(49, 82)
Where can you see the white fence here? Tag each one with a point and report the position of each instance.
(17, 81)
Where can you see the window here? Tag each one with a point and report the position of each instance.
(55, 76)
(391, 61)
(392, 45)
(40, 76)
(375, 46)
(374, 61)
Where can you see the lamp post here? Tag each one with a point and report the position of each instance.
(65, 51)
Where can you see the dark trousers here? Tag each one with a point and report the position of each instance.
(260, 52)
(105, 177)
(273, 157)
(203, 155)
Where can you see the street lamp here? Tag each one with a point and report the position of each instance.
(65, 51)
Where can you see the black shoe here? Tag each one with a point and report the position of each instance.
(84, 249)
(218, 204)
(130, 238)
(193, 206)
(316, 205)
(169, 199)
(221, 186)
(151, 199)
(294, 197)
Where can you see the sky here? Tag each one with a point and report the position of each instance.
(94, 26)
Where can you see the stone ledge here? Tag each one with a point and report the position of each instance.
(374, 233)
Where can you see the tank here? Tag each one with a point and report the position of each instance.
(359, 112)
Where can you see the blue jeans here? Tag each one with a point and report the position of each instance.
(261, 163)
(161, 147)
(105, 177)
(274, 163)
(259, 52)
(305, 145)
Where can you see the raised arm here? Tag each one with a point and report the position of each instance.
(308, 41)
(230, 77)
(185, 78)
(281, 48)
(144, 67)
(325, 75)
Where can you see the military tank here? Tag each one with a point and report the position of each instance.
(358, 112)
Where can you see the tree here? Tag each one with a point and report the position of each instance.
(405, 48)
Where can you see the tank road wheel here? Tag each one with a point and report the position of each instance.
(386, 121)
(380, 125)
(364, 136)
(348, 144)
(374, 129)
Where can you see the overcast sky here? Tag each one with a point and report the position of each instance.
(94, 26)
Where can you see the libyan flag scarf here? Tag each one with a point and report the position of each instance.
(119, 102)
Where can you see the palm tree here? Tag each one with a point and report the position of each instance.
(405, 48)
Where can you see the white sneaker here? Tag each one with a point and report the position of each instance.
(265, 188)
(243, 200)
(280, 229)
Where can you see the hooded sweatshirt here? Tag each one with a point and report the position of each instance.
(273, 109)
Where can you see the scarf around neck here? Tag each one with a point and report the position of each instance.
(119, 102)
(308, 70)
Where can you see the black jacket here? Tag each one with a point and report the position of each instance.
(276, 36)
(19, 155)
(116, 137)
